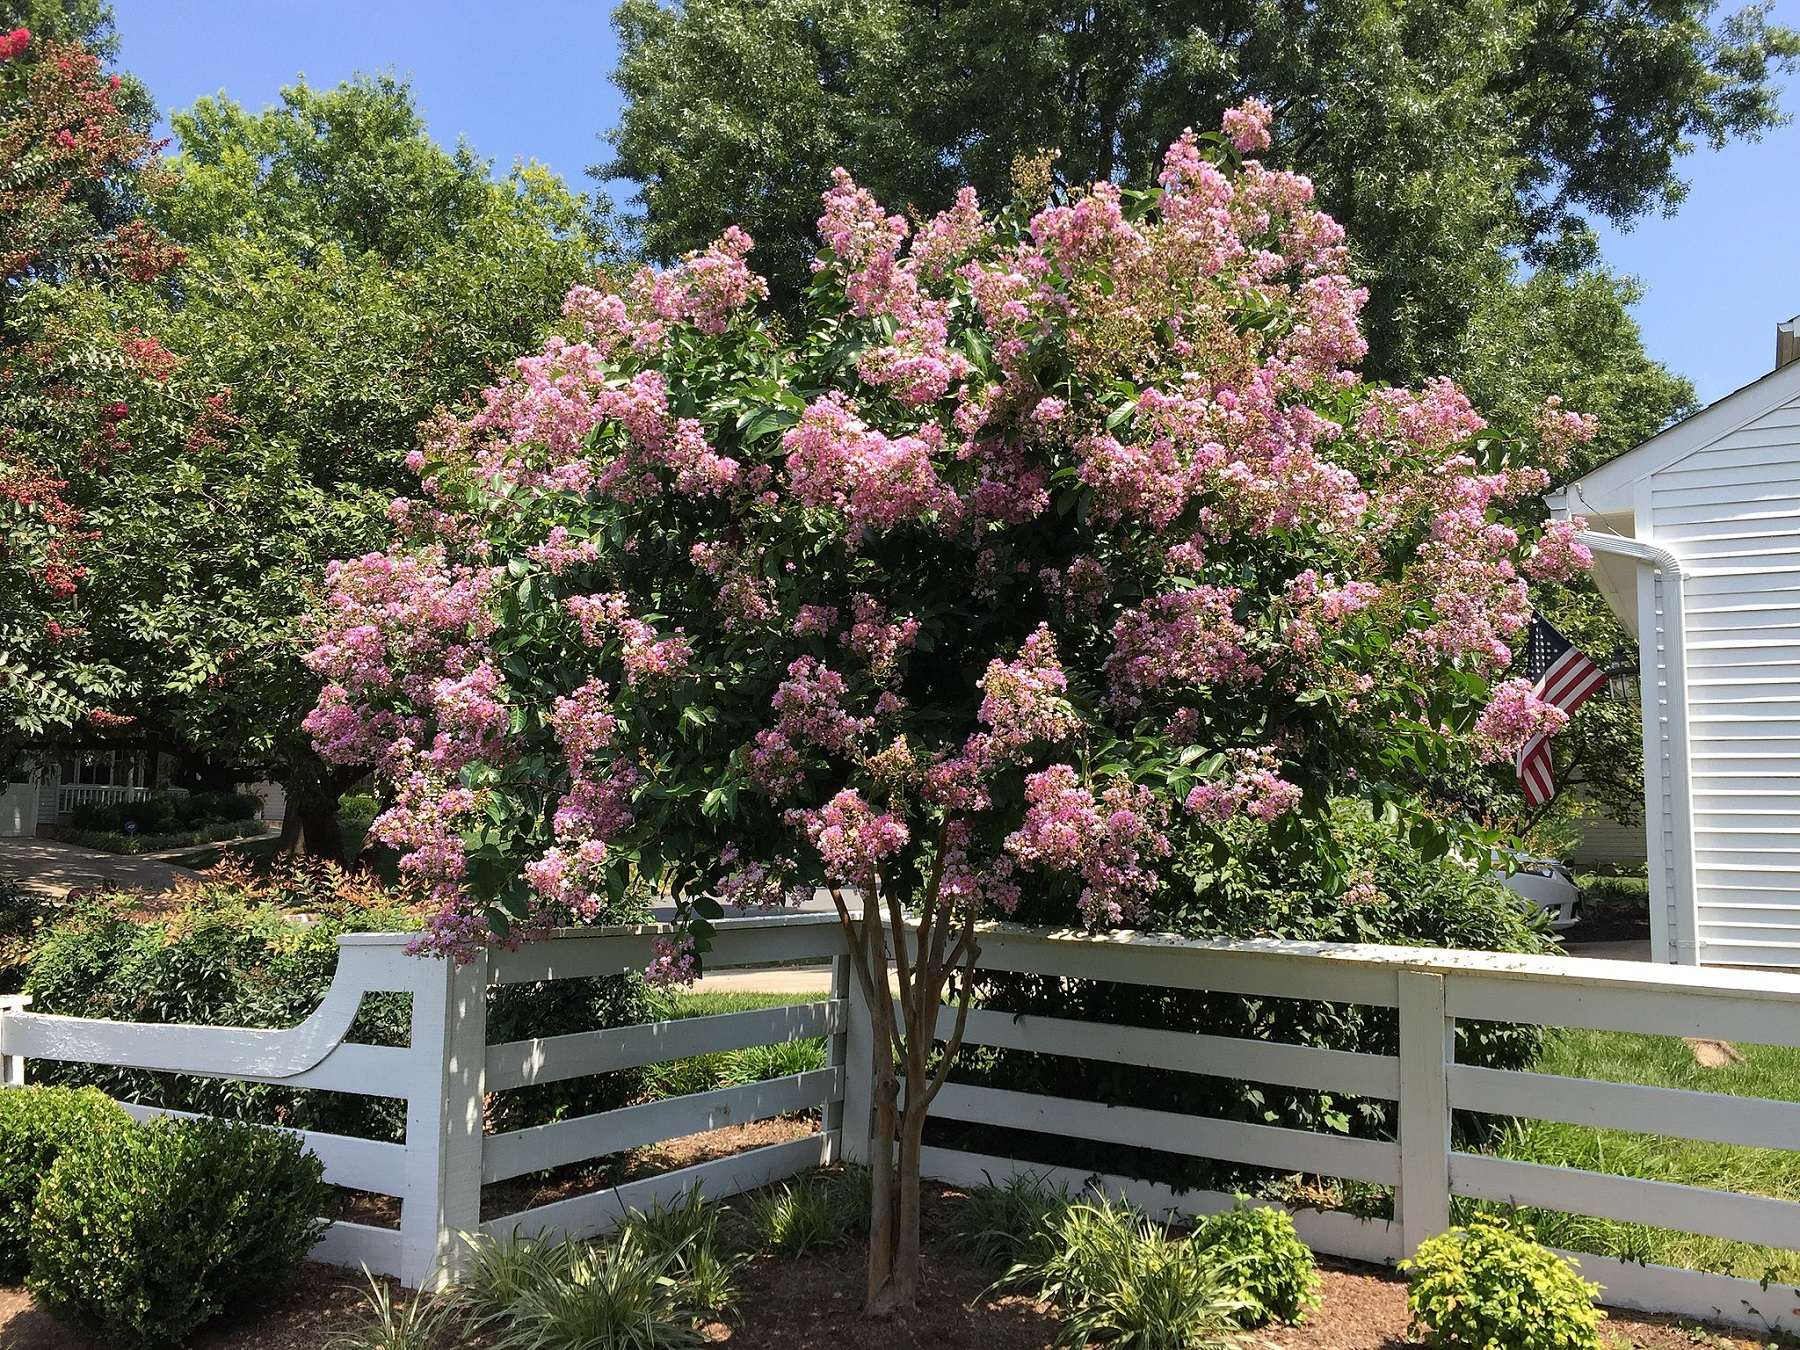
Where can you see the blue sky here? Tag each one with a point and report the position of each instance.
(531, 80)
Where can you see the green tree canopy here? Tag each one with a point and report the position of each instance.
(345, 279)
(1449, 139)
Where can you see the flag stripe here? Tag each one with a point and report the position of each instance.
(1564, 676)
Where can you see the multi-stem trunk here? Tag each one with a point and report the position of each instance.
(903, 1020)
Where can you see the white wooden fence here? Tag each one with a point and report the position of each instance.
(448, 1067)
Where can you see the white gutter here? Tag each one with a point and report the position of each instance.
(1671, 626)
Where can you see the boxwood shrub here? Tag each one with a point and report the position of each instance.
(141, 1236)
(36, 1125)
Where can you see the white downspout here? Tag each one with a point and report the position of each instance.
(1681, 802)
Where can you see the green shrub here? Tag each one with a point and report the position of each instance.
(619, 1297)
(36, 1125)
(167, 812)
(1118, 1278)
(234, 950)
(1265, 890)
(193, 836)
(1011, 1223)
(1485, 1285)
(1265, 1261)
(141, 1236)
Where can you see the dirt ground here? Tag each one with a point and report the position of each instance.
(814, 1303)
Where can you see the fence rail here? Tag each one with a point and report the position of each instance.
(448, 1068)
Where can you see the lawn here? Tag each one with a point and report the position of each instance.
(1662, 1061)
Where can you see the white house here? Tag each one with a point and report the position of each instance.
(1697, 540)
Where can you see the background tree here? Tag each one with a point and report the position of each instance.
(1441, 135)
(345, 278)
(77, 166)
(1055, 535)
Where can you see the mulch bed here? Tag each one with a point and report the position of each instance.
(815, 1303)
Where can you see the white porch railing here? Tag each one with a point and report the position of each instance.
(71, 796)
(448, 1067)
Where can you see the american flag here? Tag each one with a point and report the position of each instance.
(1563, 675)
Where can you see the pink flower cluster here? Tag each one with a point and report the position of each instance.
(559, 551)
(1178, 640)
(1433, 419)
(583, 724)
(1320, 605)
(853, 839)
(1247, 125)
(399, 630)
(1514, 714)
(1023, 702)
(646, 655)
(1559, 431)
(874, 638)
(705, 290)
(836, 460)
(1558, 555)
(1253, 788)
(1112, 842)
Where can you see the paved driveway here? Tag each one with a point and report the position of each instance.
(51, 868)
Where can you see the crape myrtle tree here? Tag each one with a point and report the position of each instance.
(1051, 529)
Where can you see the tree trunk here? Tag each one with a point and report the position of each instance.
(312, 792)
(922, 976)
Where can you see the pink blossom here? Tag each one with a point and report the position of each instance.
(1182, 639)
(1254, 787)
(1023, 702)
(1247, 125)
(1558, 555)
(853, 839)
(1514, 715)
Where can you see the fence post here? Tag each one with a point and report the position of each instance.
(12, 1067)
(444, 1130)
(837, 1057)
(859, 1065)
(1427, 1040)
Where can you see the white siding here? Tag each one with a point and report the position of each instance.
(1730, 511)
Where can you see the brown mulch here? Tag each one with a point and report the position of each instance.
(1365, 1309)
(317, 1303)
(815, 1303)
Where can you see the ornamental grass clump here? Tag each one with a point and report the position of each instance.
(816, 1210)
(617, 1297)
(1051, 537)
(1120, 1279)
(1013, 1222)
(1486, 1285)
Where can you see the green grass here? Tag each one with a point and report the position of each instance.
(710, 1003)
(1660, 1061)
(725, 1068)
